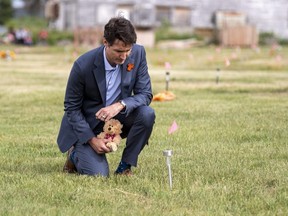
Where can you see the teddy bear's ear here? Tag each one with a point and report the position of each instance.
(118, 123)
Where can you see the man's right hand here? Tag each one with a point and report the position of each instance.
(99, 145)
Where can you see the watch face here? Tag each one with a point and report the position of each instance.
(123, 103)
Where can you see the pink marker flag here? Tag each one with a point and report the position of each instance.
(167, 65)
(227, 62)
(173, 127)
(278, 58)
(218, 49)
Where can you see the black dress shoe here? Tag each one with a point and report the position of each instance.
(123, 169)
(69, 166)
(127, 172)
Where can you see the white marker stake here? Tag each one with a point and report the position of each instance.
(167, 80)
(168, 154)
(217, 75)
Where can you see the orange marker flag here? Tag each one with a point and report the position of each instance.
(173, 127)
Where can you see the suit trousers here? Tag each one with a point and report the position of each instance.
(137, 128)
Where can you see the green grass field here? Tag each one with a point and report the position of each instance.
(230, 153)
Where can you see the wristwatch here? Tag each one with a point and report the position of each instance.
(122, 103)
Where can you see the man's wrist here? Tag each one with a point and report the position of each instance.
(90, 141)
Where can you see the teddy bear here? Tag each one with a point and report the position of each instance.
(112, 129)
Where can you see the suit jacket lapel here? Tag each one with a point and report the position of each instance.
(99, 73)
(126, 74)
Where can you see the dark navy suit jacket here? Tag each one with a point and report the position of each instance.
(86, 93)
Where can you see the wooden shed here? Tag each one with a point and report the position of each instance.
(233, 30)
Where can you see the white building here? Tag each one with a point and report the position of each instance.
(265, 15)
(144, 14)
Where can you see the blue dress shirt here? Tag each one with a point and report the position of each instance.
(113, 80)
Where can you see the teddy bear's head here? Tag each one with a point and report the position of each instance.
(113, 126)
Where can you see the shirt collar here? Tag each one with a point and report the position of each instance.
(108, 67)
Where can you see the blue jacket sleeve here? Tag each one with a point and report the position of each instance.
(73, 105)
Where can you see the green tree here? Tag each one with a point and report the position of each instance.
(6, 11)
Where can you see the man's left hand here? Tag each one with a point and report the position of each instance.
(106, 113)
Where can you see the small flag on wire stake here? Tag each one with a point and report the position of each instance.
(167, 65)
(227, 62)
(173, 127)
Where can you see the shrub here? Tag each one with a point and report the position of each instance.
(283, 41)
(166, 32)
(33, 24)
(56, 36)
(36, 25)
(267, 38)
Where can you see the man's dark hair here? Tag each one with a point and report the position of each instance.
(121, 29)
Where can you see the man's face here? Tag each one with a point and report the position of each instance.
(118, 52)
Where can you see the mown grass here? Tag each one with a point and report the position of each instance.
(230, 154)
